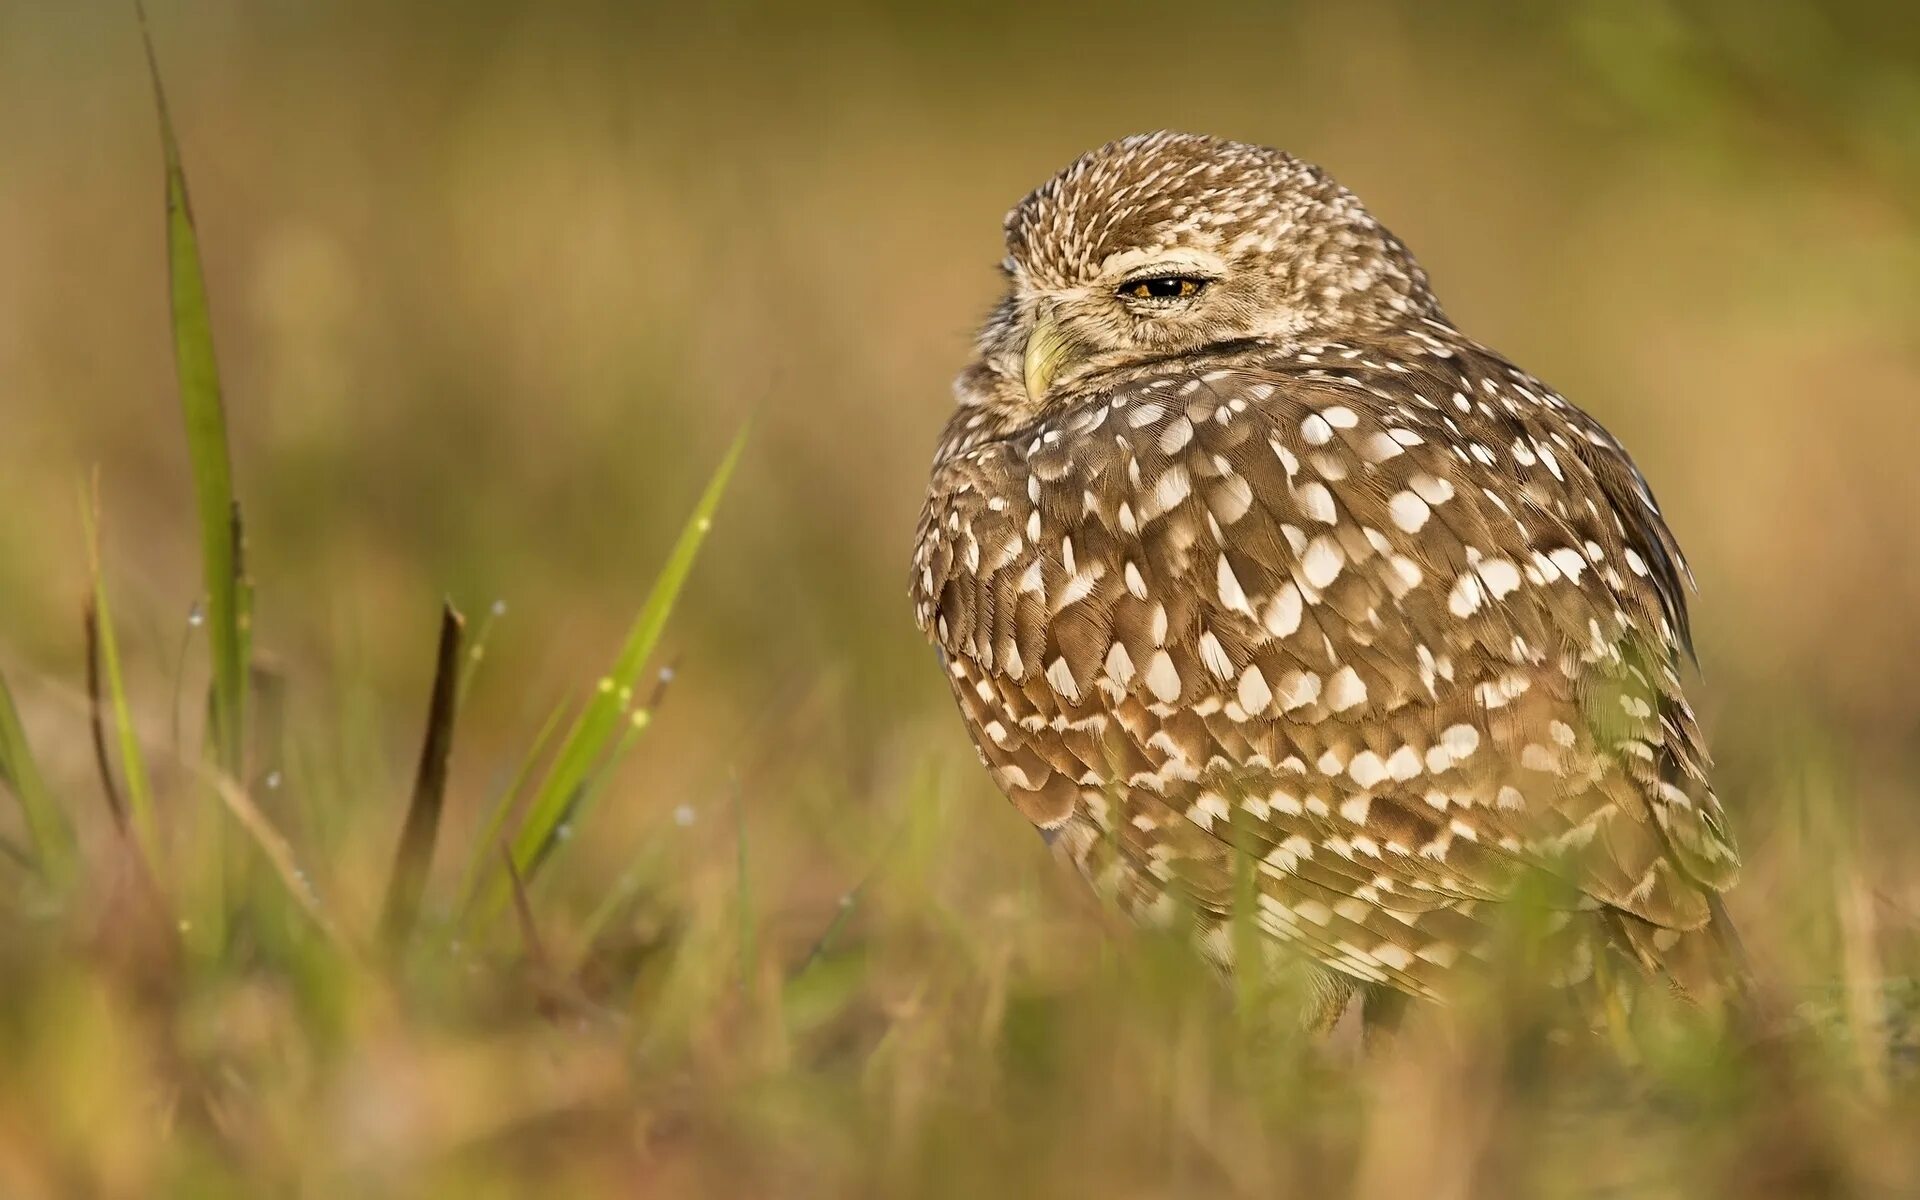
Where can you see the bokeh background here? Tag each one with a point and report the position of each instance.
(495, 283)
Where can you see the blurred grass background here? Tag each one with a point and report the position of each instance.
(493, 287)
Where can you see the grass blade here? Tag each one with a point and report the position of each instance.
(52, 839)
(523, 913)
(140, 807)
(486, 849)
(415, 855)
(97, 719)
(206, 424)
(477, 651)
(278, 852)
(601, 775)
(612, 704)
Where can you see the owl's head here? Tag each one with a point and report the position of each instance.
(1164, 244)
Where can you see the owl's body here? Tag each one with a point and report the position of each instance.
(1254, 577)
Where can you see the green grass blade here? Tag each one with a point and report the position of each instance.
(133, 765)
(609, 708)
(595, 784)
(207, 448)
(52, 839)
(486, 848)
(602, 774)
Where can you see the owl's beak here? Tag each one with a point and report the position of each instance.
(1048, 350)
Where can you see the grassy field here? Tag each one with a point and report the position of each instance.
(667, 870)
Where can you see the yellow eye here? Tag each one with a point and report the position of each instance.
(1164, 288)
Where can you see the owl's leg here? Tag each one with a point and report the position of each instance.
(1382, 1011)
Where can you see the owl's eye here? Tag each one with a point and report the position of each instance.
(1164, 288)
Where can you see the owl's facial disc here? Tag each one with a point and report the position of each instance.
(1137, 304)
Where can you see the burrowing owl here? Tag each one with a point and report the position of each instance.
(1240, 556)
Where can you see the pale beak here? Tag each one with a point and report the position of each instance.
(1048, 350)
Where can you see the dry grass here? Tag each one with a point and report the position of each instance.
(492, 294)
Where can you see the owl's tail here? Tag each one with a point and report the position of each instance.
(1708, 966)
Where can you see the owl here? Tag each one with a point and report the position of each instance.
(1277, 602)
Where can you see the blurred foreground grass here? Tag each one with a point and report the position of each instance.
(784, 940)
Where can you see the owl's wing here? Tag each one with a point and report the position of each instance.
(1394, 626)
